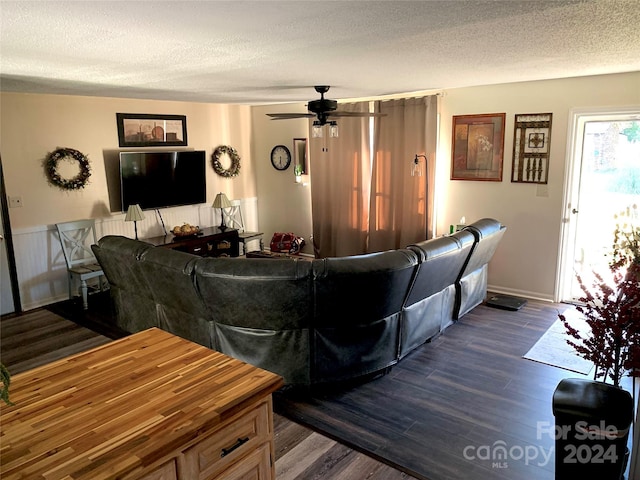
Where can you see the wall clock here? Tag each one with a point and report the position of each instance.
(280, 157)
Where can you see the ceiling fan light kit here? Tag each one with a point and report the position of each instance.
(323, 110)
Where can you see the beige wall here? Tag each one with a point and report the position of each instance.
(283, 205)
(34, 125)
(526, 261)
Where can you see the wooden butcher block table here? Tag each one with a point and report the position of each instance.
(149, 406)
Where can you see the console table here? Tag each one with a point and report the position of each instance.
(149, 406)
(211, 242)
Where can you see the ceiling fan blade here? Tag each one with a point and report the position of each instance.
(355, 114)
(285, 116)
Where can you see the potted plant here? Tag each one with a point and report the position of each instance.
(595, 416)
(5, 380)
(612, 308)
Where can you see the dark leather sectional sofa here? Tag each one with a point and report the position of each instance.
(312, 322)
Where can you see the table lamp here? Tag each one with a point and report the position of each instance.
(134, 214)
(221, 201)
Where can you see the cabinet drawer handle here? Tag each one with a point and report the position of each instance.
(238, 444)
(197, 249)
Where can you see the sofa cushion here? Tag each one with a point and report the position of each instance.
(262, 311)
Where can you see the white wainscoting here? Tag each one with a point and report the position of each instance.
(42, 272)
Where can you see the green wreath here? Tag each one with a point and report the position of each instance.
(75, 183)
(234, 169)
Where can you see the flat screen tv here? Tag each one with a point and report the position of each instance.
(162, 179)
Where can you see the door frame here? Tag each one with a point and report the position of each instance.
(7, 244)
(571, 189)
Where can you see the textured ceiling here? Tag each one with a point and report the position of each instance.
(257, 52)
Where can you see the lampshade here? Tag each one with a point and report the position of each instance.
(134, 213)
(416, 165)
(221, 201)
(316, 130)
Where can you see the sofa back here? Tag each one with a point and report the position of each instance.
(471, 287)
(358, 304)
(178, 307)
(311, 322)
(132, 298)
(262, 310)
(428, 309)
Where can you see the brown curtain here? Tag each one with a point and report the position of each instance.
(402, 206)
(340, 179)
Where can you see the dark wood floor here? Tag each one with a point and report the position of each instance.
(470, 388)
(479, 391)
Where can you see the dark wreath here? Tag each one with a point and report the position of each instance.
(75, 183)
(234, 169)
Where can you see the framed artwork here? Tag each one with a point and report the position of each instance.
(151, 130)
(478, 147)
(531, 140)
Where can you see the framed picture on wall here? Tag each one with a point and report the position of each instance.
(531, 142)
(478, 147)
(151, 130)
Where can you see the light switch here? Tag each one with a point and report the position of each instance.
(542, 191)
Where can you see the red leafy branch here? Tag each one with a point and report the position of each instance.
(612, 310)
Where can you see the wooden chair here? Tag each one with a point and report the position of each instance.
(76, 239)
(233, 219)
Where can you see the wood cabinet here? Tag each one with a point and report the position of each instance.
(151, 406)
(212, 242)
(217, 456)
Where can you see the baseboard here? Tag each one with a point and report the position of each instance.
(521, 293)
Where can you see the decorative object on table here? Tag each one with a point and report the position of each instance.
(185, 230)
(221, 201)
(280, 157)
(52, 164)
(478, 147)
(531, 142)
(151, 130)
(416, 165)
(234, 168)
(134, 214)
(286, 243)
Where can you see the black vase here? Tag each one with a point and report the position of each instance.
(593, 420)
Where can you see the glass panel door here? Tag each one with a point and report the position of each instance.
(609, 182)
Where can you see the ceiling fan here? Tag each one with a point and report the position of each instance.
(324, 109)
